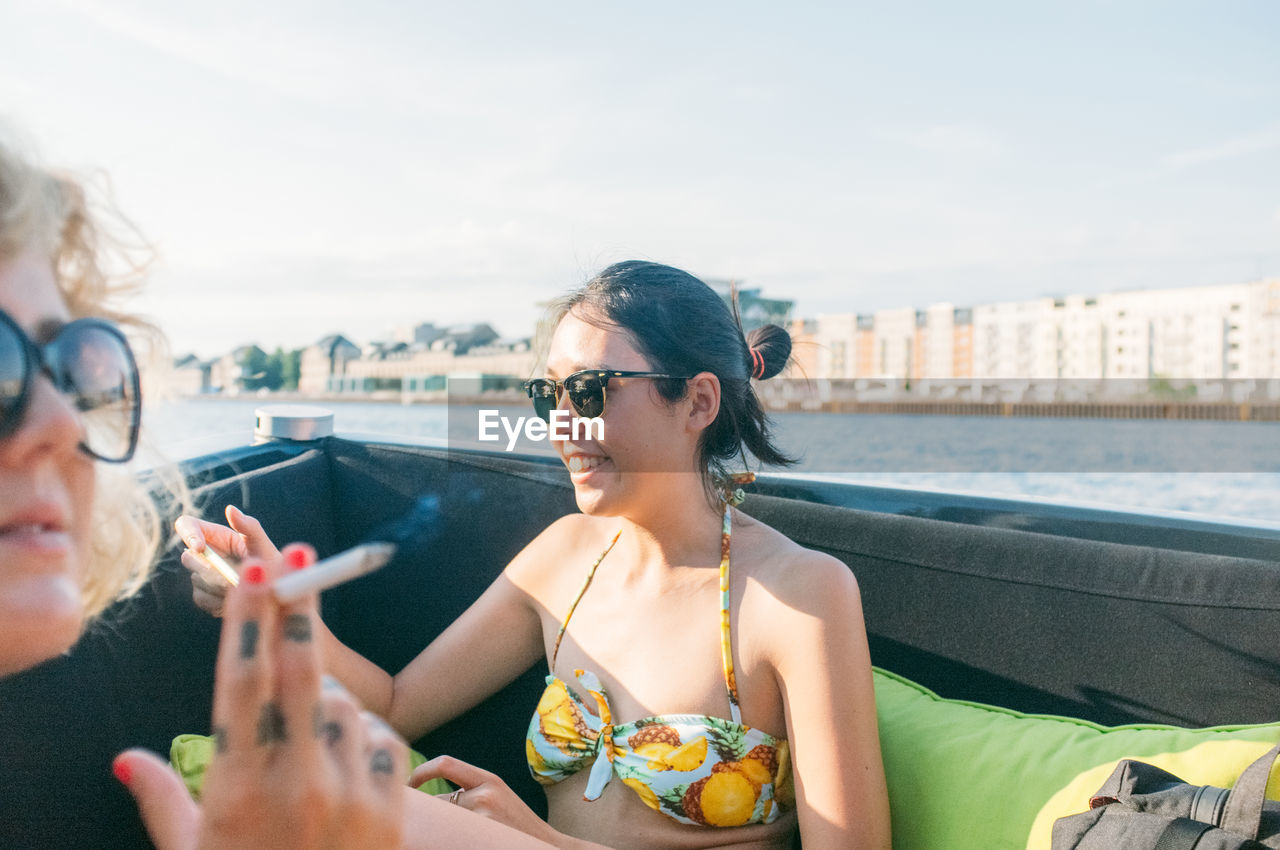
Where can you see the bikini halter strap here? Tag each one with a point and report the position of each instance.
(726, 642)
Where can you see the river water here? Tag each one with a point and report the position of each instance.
(1224, 469)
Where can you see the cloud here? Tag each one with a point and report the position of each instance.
(327, 62)
(1252, 143)
(962, 140)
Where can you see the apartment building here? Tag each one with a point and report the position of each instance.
(1196, 333)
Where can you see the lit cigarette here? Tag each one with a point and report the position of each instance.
(218, 564)
(331, 572)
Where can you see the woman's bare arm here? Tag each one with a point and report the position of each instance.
(495, 640)
(824, 674)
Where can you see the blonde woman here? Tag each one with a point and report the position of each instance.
(76, 533)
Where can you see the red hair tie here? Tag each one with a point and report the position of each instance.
(757, 364)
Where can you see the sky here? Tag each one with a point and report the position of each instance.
(304, 168)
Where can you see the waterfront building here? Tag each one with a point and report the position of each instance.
(1079, 338)
(962, 342)
(423, 333)
(895, 333)
(754, 309)
(935, 348)
(324, 361)
(232, 373)
(181, 377)
(1015, 339)
(417, 371)
(836, 341)
(1197, 333)
(190, 376)
(462, 338)
(847, 346)
(864, 345)
(804, 349)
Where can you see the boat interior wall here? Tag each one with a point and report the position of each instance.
(1049, 624)
(1035, 622)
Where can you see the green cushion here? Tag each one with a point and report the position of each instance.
(190, 756)
(965, 775)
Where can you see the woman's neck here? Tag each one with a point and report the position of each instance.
(679, 527)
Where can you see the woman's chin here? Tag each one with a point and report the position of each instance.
(591, 502)
(596, 500)
(41, 617)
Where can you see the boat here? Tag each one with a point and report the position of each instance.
(1105, 616)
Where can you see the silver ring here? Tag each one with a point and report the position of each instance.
(453, 798)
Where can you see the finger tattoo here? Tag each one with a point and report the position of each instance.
(329, 731)
(219, 739)
(297, 628)
(249, 639)
(271, 725)
(381, 762)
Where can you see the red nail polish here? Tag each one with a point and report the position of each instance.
(123, 772)
(255, 574)
(297, 558)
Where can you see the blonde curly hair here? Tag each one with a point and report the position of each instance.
(52, 213)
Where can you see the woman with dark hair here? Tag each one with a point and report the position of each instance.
(709, 683)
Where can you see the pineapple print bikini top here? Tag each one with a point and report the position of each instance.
(691, 768)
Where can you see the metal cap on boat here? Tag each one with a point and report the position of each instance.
(292, 422)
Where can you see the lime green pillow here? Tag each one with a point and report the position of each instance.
(965, 775)
(190, 756)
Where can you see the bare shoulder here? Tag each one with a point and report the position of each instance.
(797, 578)
(571, 536)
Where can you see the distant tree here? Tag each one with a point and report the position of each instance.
(1161, 387)
(254, 368)
(273, 370)
(290, 369)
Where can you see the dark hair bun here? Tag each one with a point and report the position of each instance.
(774, 345)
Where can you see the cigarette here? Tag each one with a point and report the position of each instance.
(218, 564)
(332, 572)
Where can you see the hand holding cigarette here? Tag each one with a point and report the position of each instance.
(212, 573)
(296, 763)
(214, 550)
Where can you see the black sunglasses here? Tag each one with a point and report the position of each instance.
(585, 389)
(90, 361)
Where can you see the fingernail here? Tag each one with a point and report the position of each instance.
(123, 772)
(329, 683)
(297, 558)
(255, 574)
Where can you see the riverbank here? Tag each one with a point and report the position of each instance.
(1188, 409)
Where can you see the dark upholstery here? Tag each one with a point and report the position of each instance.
(1033, 622)
(1045, 624)
(490, 513)
(141, 676)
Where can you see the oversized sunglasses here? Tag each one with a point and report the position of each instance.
(585, 390)
(89, 361)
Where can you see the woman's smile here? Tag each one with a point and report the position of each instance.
(585, 466)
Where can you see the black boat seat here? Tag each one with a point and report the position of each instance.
(1038, 623)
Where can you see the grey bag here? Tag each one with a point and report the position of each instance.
(1141, 807)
